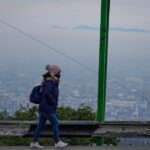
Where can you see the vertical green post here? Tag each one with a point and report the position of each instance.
(103, 50)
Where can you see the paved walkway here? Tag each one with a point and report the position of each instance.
(81, 148)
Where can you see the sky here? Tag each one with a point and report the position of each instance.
(72, 27)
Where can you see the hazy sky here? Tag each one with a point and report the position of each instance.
(54, 22)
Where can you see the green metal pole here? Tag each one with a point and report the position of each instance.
(103, 50)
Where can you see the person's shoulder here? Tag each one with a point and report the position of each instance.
(48, 81)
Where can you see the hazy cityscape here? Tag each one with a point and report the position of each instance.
(128, 96)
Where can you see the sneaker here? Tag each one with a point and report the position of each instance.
(60, 145)
(36, 145)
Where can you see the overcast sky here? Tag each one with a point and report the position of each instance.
(54, 22)
(130, 14)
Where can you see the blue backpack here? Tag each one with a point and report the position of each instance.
(36, 94)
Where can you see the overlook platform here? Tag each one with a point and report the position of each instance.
(80, 148)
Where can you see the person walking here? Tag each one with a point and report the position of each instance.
(48, 106)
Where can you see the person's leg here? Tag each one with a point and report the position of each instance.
(40, 126)
(55, 125)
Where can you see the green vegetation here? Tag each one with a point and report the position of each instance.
(64, 113)
(82, 113)
(26, 114)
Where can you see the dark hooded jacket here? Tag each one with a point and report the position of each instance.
(50, 97)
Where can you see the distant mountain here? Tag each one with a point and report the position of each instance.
(85, 27)
(57, 27)
(128, 29)
(116, 29)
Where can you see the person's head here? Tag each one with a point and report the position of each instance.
(54, 71)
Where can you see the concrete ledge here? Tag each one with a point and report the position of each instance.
(123, 130)
(79, 129)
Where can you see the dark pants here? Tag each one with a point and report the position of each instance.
(42, 120)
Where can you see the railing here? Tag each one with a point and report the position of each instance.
(78, 129)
